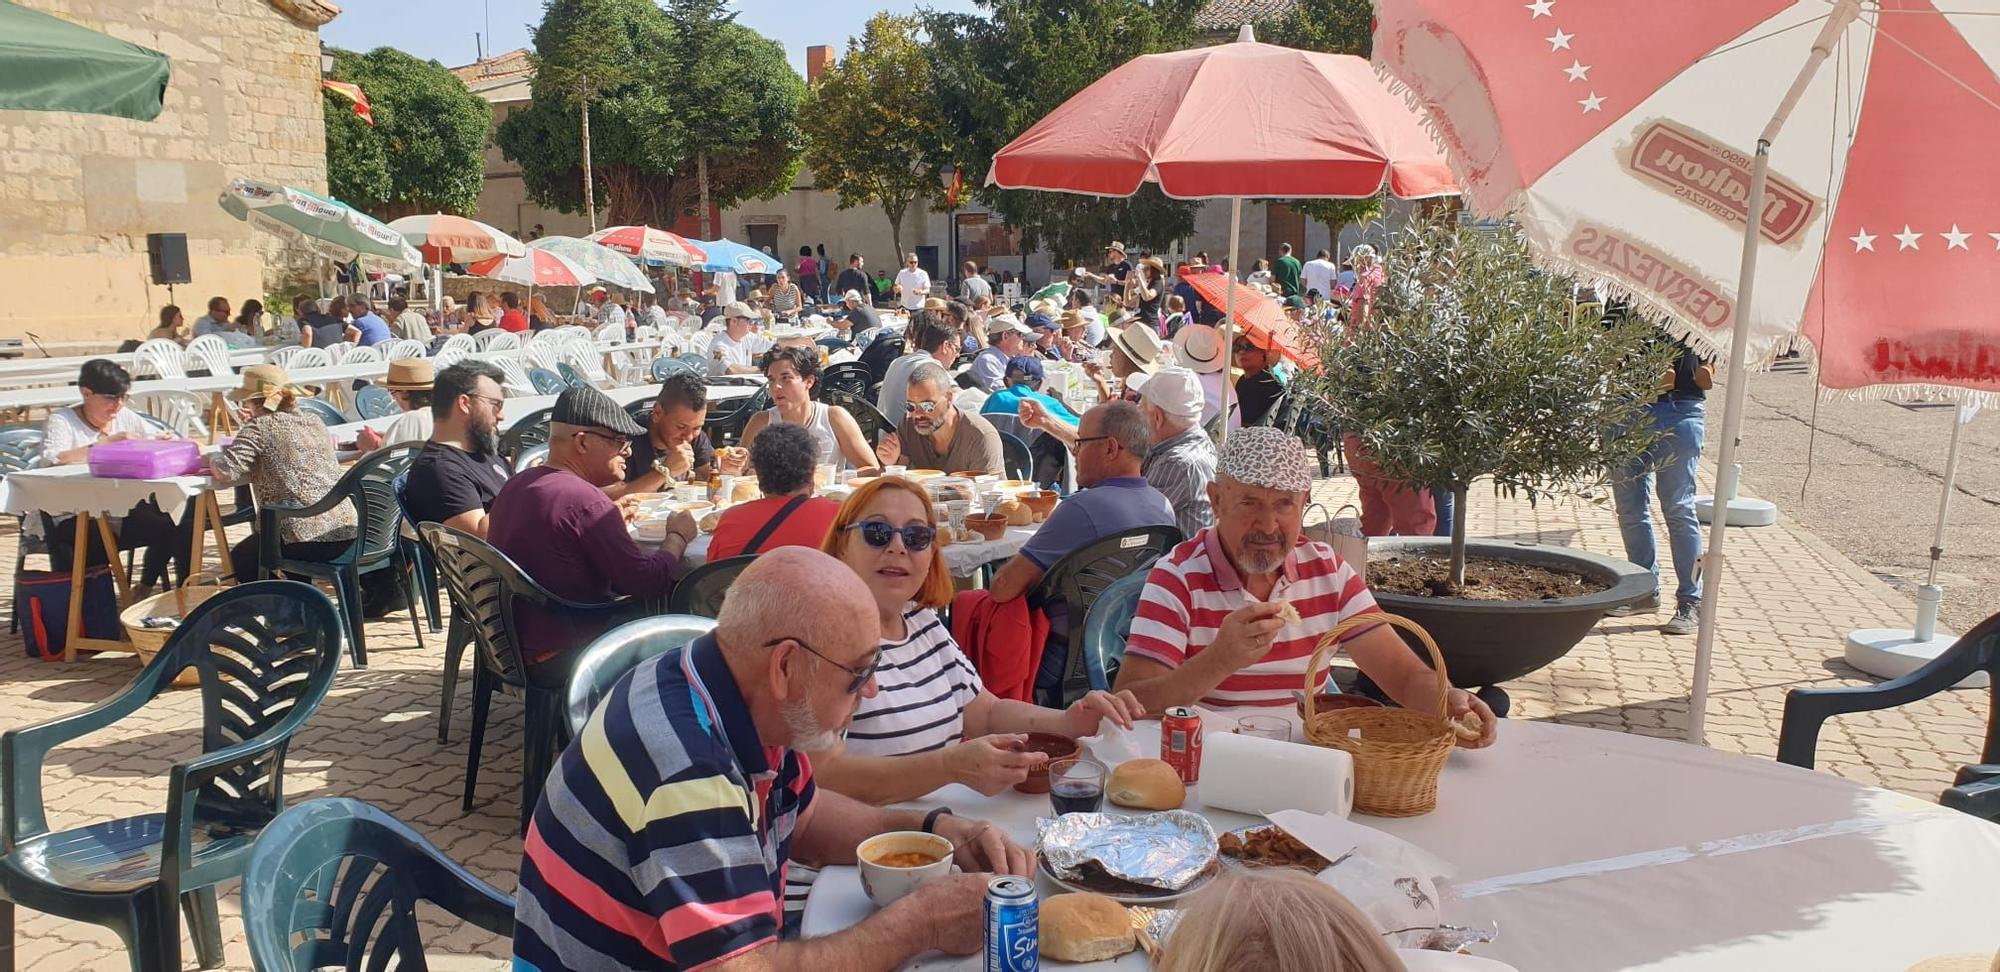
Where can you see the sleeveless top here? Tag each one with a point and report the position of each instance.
(821, 427)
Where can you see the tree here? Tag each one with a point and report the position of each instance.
(710, 109)
(873, 133)
(994, 76)
(1474, 364)
(582, 49)
(426, 151)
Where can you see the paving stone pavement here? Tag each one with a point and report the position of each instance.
(1788, 600)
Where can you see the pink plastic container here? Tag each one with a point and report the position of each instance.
(145, 459)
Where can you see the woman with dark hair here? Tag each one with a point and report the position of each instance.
(250, 320)
(793, 373)
(809, 279)
(785, 297)
(789, 514)
(101, 417)
(170, 326)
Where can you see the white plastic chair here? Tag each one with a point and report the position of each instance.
(644, 332)
(283, 357)
(159, 358)
(338, 351)
(405, 348)
(610, 334)
(209, 352)
(308, 358)
(360, 355)
(183, 411)
(446, 357)
(516, 384)
(541, 355)
(493, 340)
(589, 361)
(459, 344)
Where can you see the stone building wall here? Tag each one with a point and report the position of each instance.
(79, 193)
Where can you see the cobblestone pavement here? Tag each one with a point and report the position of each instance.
(1787, 601)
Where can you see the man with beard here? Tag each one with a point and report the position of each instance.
(459, 471)
(1232, 616)
(663, 839)
(555, 522)
(936, 434)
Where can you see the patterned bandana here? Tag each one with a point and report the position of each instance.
(1267, 457)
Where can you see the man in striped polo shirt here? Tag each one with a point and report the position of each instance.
(1208, 629)
(662, 838)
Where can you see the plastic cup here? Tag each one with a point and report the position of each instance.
(1265, 727)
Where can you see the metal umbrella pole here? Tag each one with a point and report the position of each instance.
(1229, 315)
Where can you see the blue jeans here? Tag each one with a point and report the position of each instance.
(1445, 502)
(1671, 460)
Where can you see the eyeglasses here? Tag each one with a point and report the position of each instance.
(121, 396)
(624, 444)
(928, 408)
(495, 402)
(860, 676)
(877, 533)
(1081, 439)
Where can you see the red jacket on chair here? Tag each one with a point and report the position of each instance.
(1003, 641)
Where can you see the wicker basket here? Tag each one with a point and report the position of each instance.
(1398, 753)
(172, 603)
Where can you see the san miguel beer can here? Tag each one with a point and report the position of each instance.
(1180, 742)
(1013, 926)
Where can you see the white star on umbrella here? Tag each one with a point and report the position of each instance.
(1577, 71)
(1996, 240)
(1907, 240)
(1560, 42)
(1541, 8)
(1863, 240)
(1593, 103)
(1956, 238)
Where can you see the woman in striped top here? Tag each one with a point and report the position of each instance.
(930, 722)
(786, 299)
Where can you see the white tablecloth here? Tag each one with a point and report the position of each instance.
(26, 371)
(964, 559)
(63, 490)
(1594, 850)
(519, 408)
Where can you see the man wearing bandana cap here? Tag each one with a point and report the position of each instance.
(1208, 628)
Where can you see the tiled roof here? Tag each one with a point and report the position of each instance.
(498, 66)
(1231, 14)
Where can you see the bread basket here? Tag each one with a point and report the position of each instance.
(1398, 753)
(172, 603)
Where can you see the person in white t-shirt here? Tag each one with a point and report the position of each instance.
(1319, 274)
(736, 350)
(725, 287)
(912, 284)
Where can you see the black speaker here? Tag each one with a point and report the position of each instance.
(169, 253)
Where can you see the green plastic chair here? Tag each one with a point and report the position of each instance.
(334, 883)
(700, 593)
(619, 651)
(378, 543)
(1076, 580)
(530, 430)
(1107, 626)
(266, 653)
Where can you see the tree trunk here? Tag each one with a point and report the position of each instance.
(589, 188)
(701, 175)
(895, 213)
(1457, 578)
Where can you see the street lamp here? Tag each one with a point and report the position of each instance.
(325, 60)
(949, 265)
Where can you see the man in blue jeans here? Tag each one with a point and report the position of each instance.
(1678, 414)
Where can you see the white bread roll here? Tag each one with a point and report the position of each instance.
(1085, 928)
(1146, 784)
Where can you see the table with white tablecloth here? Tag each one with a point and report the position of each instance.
(964, 559)
(1593, 850)
(515, 409)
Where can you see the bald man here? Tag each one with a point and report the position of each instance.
(662, 839)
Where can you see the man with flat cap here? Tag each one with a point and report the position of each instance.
(556, 523)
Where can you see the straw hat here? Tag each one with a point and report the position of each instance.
(260, 380)
(1199, 348)
(410, 374)
(1071, 318)
(1140, 343)
(936, 304)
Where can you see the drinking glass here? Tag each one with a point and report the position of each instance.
(1076, 785)
(1265, 727)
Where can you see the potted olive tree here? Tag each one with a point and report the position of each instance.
(1474, 367)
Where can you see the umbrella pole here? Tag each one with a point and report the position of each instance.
(1229, 315)
(1927, 606)
(1739, 341)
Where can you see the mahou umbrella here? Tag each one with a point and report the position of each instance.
(443, 238)
(655, 246)
(1260, 316)
(1203, 125)
(329, 226)
(607, 265)
(732, 257)
(1633, 142)
(540, 268)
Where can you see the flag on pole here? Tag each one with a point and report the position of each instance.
(353, 95)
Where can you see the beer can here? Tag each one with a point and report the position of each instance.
(1013, 932)
(1180, 742)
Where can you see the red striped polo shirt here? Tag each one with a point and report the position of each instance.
(1194, 587)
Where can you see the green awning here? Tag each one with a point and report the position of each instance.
(50, 64)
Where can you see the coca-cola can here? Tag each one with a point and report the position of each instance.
(1180, 742)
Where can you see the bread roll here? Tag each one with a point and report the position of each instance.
(1085, 928)
(1146, 784)
(1017, 513)
(708, 523)
(1287, 613)
(744, 490)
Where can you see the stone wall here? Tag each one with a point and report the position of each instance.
(79, 193)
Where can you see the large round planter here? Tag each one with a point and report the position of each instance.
(1488, 642)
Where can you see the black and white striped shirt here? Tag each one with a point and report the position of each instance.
(1180, 467)
(925, 683)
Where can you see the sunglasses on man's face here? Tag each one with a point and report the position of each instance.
(878, 533)
(925, 408)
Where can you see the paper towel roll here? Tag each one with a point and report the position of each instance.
(1251, 774)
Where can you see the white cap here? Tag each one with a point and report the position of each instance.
(1007, 322)
(738, 308)
(817, 320)
(1175, 391)
(853, 295)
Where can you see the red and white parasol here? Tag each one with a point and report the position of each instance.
(443, 238)
(540, 268)
(655, 246)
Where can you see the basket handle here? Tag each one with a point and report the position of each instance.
(1329, 643)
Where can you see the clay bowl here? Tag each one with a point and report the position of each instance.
(992, 526)
(1043, 502)
(1057, 747)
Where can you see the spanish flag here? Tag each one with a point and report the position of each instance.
(354, 96)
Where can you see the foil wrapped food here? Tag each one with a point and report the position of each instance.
(1166, 850)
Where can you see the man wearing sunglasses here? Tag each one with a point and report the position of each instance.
(664, 839)
(935, 433)
(556, 523)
